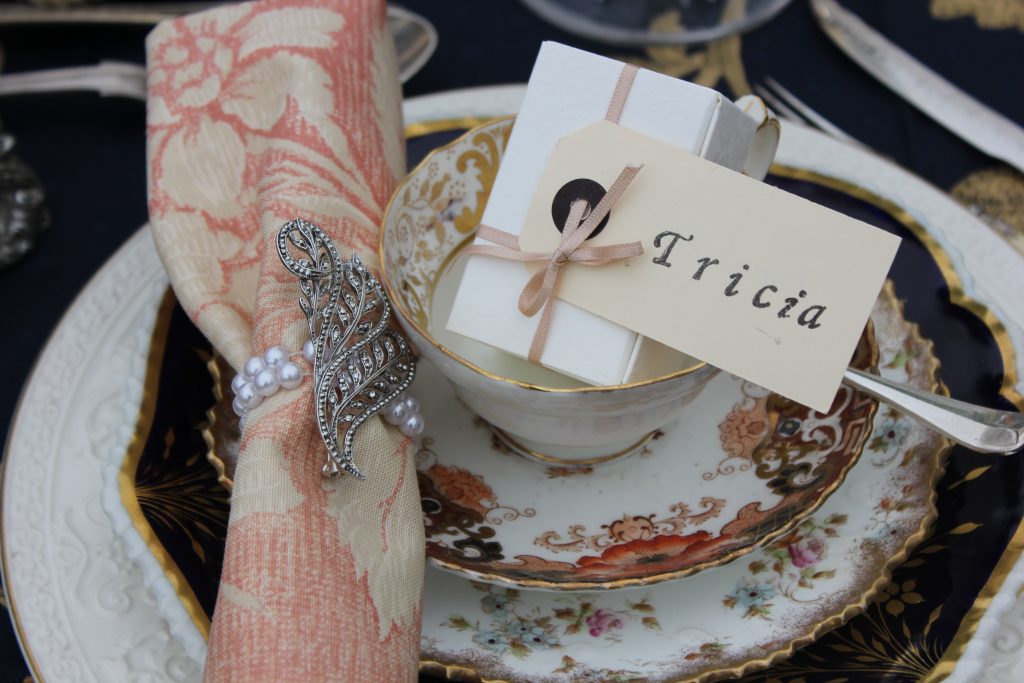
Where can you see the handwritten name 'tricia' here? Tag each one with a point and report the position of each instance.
(764, 297)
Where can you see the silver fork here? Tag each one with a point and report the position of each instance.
(788, 106)
(107, 78)
(981, 429)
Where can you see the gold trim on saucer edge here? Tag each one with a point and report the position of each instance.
(415, 130)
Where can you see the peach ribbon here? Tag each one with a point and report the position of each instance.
(540, 288)
(621, 92)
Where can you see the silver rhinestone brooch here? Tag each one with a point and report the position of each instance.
(361, 362)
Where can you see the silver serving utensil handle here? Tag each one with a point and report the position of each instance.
(984, 430)
(109, 79)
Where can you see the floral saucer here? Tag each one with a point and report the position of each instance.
(741, 467)
(718, 624)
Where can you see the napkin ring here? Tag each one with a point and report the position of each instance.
(361, 362)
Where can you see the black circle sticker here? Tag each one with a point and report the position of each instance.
(581, 188)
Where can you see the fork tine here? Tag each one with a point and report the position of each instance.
(780, 107)
(816, 119)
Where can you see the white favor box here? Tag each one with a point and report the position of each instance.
(570, 89)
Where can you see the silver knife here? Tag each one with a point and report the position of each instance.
(984, 128)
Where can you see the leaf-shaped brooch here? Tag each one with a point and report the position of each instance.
(361, 361)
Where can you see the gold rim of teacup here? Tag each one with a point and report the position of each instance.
(523, 451)
(409, 319)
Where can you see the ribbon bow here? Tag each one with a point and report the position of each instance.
(541, 287)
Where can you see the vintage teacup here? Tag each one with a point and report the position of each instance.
(432, 216)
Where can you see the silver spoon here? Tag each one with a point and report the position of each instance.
(984, 430)
(977, 428)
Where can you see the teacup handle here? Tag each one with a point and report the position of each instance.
(766, 138)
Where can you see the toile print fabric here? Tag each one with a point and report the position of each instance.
(257, 114)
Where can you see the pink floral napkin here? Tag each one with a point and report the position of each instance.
(260, 113)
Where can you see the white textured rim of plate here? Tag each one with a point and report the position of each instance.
(55, 617)
(79, 603)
